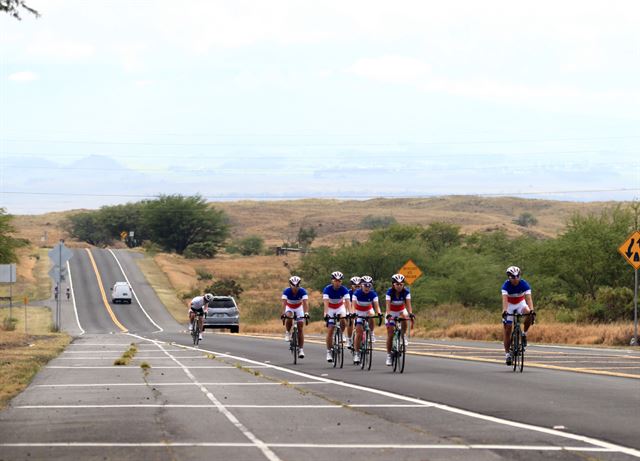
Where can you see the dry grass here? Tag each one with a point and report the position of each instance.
(159, 280)
(24, 354)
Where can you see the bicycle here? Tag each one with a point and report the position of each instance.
(366, 344)
(398, 345)
(293, 342)
(517, 349)
(337, 351)
(195, 330)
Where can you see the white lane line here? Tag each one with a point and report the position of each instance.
(198, 357)
(395, 446)
(130, 367)
(173, 384)
(134, 293)
(447, 408)
(266, 451)
(186, 405)
(73, 299)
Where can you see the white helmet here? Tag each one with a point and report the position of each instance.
(399, 278)
(355, 280)
(295, 281)
(337, 275)
(513, 271)
(208, 297)
(366, 279)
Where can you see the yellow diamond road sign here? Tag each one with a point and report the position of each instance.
(410, 271)
(630, 249)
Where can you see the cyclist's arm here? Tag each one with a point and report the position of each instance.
(504, 303)
(347, 303)
(387, 301)
(284, 305)
(305, 306)
(376, 305)
(407, 304)
(325, 301)
(529, 301)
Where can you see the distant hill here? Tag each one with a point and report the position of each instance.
(338, 221)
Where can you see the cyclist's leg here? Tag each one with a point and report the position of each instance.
(390, 326)
(358, 338)
(301, 333)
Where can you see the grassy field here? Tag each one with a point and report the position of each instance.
(23, 354)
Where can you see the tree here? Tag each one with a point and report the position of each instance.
(88, 227)
(440, 235)
(525, 220)
(251, 245)
(306, 235)
(13, 8)
(8, 244)
(175, 222)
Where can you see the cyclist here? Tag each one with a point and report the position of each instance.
(365, 301)
(355, 284)
(335, 297)
(197, 308)
(68, 293)
(398, 301)
(295, 300)
(516, 297)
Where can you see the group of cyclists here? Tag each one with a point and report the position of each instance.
(352, 307)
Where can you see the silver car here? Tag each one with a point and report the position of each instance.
(222, 312)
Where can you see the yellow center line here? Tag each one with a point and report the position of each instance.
(477, 359)
(104, 296)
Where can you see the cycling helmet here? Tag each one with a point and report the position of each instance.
(337, 275)
(513, 271)
(208, 297)
(355, 280)
(366, 279)
(398, 278)
(295, 281)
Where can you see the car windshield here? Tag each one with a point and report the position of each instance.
(221, 303)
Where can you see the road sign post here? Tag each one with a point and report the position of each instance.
(59, 255)
(630, 250)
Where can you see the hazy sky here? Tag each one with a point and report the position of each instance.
(105, 102)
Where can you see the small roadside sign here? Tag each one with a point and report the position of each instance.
(123, 235)
(410, 271)
(630, 250)
(58, 273)
(60, 254)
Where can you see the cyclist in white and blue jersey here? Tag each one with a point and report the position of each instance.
(516, 297)
(365, 302)
(295, 300)
(398, 300)
(336, 302)
(355, 284)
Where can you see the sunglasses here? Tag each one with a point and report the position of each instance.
(514, 277)
(398, 283)
(367, 285)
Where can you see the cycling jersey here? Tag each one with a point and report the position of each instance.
(294, 300)
(351, 292)
(336, 297)
(363, 302)
(516, 293)
(397, 300)
(198, 304)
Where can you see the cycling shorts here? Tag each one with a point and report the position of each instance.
(395, 314)
(362, 314)
(519, 308)
(299, 311)
(198, 311)
(341, 311)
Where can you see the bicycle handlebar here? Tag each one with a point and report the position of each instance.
(295, 317)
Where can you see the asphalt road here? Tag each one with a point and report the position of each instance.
(240, 397)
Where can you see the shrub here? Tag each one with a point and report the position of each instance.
(201, 250)
(377, 222)
(225, 287)
(9, 323)
(203, 274)
(526, 220)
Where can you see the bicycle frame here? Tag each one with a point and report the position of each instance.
(366, 344)
(398, 347)
(294, 347)
(516, 348)
(337, 351)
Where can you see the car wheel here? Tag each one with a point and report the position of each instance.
(235, 329)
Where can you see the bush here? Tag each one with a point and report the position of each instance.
(9, 323)
(526, 220)
(377, 222)
(225, 287)
(203, 274)
(201, 250)
(611, 304)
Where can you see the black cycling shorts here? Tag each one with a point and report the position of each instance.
(198, 311)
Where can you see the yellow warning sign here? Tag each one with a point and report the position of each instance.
(630, 249)
(123, 235)
(410, 271)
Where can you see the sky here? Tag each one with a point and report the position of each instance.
(113, 101)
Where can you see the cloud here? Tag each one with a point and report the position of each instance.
(24, 76)
(51, 47)
(391, 69)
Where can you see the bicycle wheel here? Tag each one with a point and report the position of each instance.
(340, 354)
(294, 344)
(521, 356)
(195, 334)
(363, 349)
(515, 349)
(334, 349)
(369, 350)
(401, 351)
(394, 351)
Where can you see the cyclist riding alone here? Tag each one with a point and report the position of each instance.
(398, 301)
(197, 308)
(295, 300)
(355, 284)
(336, 302)
(365, 301)
(516, 297)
